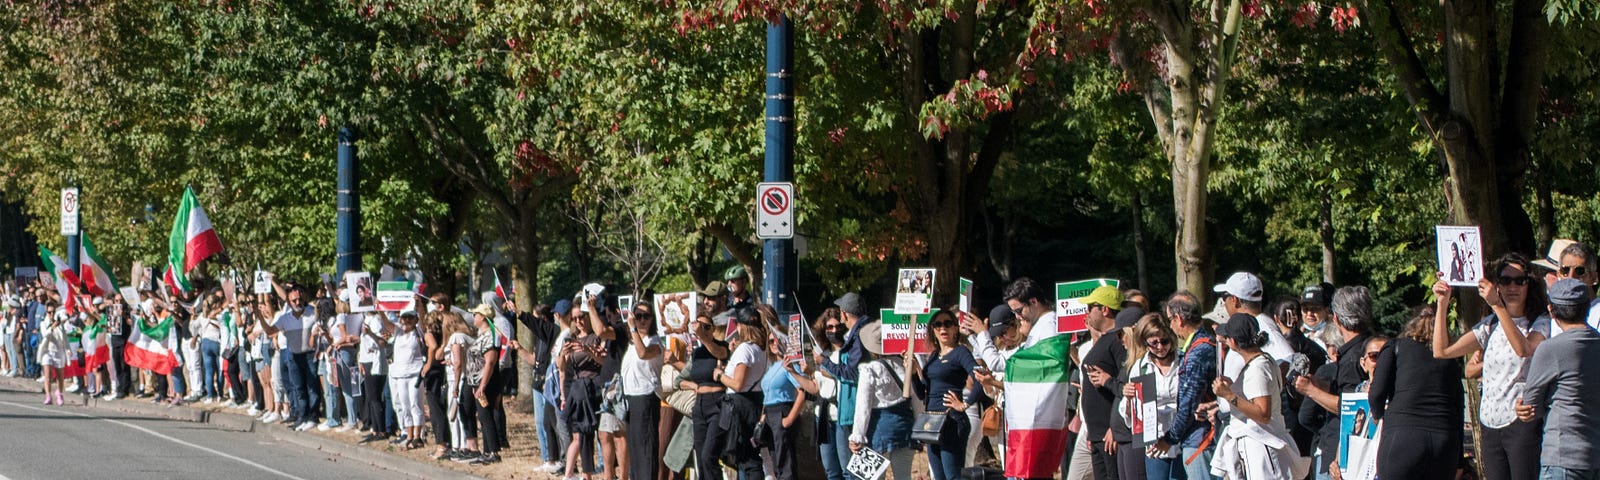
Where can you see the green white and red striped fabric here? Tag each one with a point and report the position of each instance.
(94, 271)
(1036, 408)
(64, 277)
(192, 241)
(152, 348)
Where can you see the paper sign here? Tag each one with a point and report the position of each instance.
(675, 313)
(1070, 313)
(590, 290)
(867, 465)
(899, 329)
(1141, 411)
(966, 295)
(26, 275)
(263, 281)
(1460, 255)
(1358, 432)
(913, 293)
(625, 303)
(358, 292)
(396, 296)
(129, 294)
(797, 326)
(229, 291)
(147, 279)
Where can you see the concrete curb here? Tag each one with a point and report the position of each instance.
(244, 423)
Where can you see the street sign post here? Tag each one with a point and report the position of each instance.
(775, 210)
(69, 211)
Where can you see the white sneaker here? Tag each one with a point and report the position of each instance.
(73, 388)
(551, 467)
(270, 417)
(345, 428)
(253, 411)
(109, 397)
(305, 426)
(40, 379)
(323, 427)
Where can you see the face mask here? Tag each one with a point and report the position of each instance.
(836, 338)
(1316, 329)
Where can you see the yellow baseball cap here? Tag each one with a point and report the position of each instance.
(1106, 295)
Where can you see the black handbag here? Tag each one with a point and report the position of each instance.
(928, 427)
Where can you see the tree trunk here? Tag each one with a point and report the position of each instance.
(525, 253)
(1138, 243)
(1325, 232)
(1546, 233)
(742, 251)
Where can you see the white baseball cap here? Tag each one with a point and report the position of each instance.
(1243, 285)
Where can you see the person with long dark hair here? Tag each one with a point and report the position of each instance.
(641, 377)
(782, 400)
(747, 364)
(942, 385)
(1507, 337)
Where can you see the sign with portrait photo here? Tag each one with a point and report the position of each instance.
(913, 292)
(1460, 255)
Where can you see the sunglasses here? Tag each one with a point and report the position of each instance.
(1152, 343)
(1574, 271)
(1521, 281)
(1371, 356)
(945, 324)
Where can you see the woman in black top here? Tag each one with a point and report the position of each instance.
(579, 365)
(1419, 398)
(702, 376)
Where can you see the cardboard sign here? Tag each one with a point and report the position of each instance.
(359, 292)
(913, 292)
(1070, 312)
(1460, 255)
(868, 465)
(965, 299)
(898, 331)
(396, 296)
(796, 348)
(1358, 437)
(263, 282)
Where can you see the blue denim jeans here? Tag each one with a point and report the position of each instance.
(330, 400)
(210, 367)
(831, 466)
(840, 448)
(295, 367)
(1558, 473)
(1200, 468)
(546, 433)
(30, 355)
(1165, 468)
(347, 364)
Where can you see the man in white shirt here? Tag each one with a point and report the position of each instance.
(292, 322)
(1243, 294)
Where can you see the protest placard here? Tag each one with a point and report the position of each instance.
(1358, 437)
(26, 275)
(867, 465)
(913, 292)
(899, 330)
(966, 295)
(676, 311)
(358, 292)
(796, 347)
(263, 282)
(396, 296)
(1070, 312)
(1460, 252)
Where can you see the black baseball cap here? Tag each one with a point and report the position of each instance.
(1000, 318)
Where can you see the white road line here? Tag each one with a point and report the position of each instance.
(162, 436)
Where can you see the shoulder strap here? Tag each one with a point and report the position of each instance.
(899, 384)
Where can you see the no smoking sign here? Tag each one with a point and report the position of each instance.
(775, 210)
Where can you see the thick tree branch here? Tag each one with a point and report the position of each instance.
(1395, 43)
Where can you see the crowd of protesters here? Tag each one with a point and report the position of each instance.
(1247, 390)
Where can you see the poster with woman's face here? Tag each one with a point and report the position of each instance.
(1460, 251)
(358, 292)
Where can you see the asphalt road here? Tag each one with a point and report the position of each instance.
(55, 442)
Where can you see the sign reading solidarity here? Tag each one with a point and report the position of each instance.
(775, 210)
(69, 211)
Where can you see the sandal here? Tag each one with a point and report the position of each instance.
(440, 454)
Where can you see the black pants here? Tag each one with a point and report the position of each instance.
(158, 382)
(496, 391)
(1419, 454)
(1130, 461)
(708, 435)
(644, 452)
(783, 440)
(1511, 453)
(491, 417)
(231, 377)
(119, 368)
(372, 398)
(1105, 464)
(433, 387)
(467, 405)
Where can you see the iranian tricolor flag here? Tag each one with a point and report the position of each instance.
(63, 275)
(191, 242)
(499, 290)
(1036, 408)
(95, 350)
(153, 348)
(95, 271)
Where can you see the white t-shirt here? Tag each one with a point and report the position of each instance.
(351, 323)
(292, 326)
(409, 354)
(209, 328)
(1503, 370)
(1594, 314)
(641, 377)
(370, 351)
(755, 362)
(1277, 347)
(1260, 378)
(1043, 328)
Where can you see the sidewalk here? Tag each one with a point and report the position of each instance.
(518, 460)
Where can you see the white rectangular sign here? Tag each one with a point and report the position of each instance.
(69, 211)
(775, 210)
